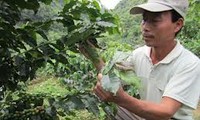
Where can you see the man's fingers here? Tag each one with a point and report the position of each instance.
(98, 90)
(99, 77)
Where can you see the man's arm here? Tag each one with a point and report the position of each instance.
(151, 111)
(148, 110)
(98, 62)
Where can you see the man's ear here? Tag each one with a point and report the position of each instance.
(179, 24)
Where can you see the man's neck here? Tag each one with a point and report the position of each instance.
(159, 53)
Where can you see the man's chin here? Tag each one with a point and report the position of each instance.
(148, 44)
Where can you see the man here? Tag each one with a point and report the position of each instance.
(170, 74)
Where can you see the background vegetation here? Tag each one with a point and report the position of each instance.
(43, 76)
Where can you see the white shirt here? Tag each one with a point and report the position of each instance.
(176, 76)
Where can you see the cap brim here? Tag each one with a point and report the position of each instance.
(151, 7)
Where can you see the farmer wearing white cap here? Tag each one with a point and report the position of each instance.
(169, 73)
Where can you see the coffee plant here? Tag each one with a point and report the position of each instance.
(25, 47)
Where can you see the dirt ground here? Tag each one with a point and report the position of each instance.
(197, 113)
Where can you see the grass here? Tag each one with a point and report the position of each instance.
(48, 85)
(82, 115)
(196, 113)
(52, 86)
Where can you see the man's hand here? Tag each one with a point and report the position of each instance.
(88, 49)
(105, 95)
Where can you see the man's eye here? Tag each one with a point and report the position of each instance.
(155, 20)
(144, 20)
(150, 21)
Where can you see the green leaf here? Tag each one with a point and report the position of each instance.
(105, 24)
(43, 25)
(48, 2)
(80, 35)
(51, 101)
(96, 4)
(35, 55)
(41, 32)
(30, 41)
(69, 5)
(59, 44)
(61, 57)
(85, 18)
(52, 112)
(47, 50)
(120, 56)
(117, 57)
(91, 104)
(110, 83)
(78, 104)
(19, 60)
(128, 77)
(118, 72)
(67, 21)
(28, 4)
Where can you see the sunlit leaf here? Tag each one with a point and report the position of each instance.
(40, 32)
(110, 83)
(128, 77)
(117, 57)
(105, 24)
(46, 1)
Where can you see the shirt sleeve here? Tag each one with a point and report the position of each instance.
(184, 86)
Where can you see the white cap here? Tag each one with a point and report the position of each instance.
(179, 6)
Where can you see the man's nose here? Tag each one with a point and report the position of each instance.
(145, 25)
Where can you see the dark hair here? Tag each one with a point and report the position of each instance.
(175, 17)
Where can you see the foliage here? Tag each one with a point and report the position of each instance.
(118, 72)
(24, 54)
(47, 84)
(77, 81)
(80, 76)
(190, 33)
(23, 106)
(130, 24)
(18, 62)
(26, 44)
(26, 47)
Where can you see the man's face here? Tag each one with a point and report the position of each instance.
(158, 29)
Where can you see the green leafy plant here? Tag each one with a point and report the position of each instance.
(22, 106)
(23, 53)
(119, 73)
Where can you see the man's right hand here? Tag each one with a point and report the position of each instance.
(97, 62)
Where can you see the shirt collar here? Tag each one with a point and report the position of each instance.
(170, 57)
